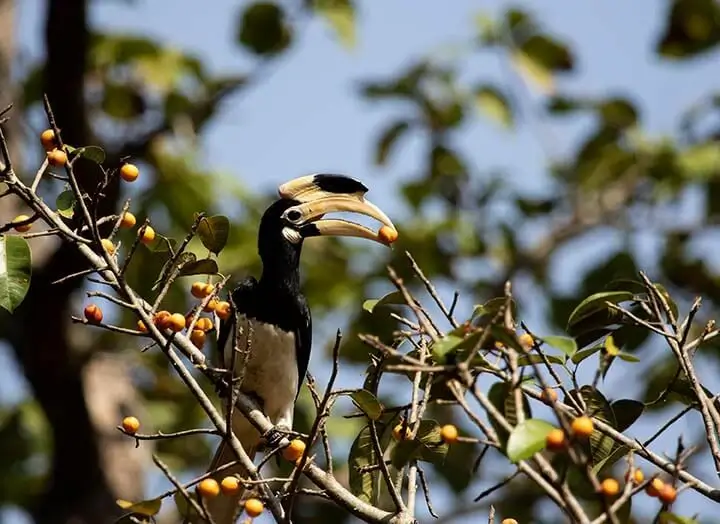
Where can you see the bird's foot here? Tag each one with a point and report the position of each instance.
(220, 382)
(274, 436)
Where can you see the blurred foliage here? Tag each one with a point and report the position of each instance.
(157, 98)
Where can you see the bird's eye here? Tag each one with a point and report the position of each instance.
(294, 215)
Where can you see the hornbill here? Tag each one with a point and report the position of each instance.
(274, 313)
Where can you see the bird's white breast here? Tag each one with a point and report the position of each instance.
(271, 368)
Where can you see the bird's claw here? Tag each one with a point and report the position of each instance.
(274, 436)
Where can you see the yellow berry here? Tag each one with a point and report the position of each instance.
(93, 314)
(176, 322)
(610, 487)
(398, 433)
(667, 494)
(211, 305)
(197, 337)
(582, 426)
(108, 245)
(526, 340)
(141, 326)
(201, 289)
(253, 507)
(128, 220)
(47, 138)
(23, 228)
(654, 487)
(129, 172)
(548, 396)
(449, 433)
(222, 310)
(57, 157)
(204, 324)
(148, 235)
(638, 476)
(387, 234)
(509, 521)
(162, 319)
(555, 439)
(209, 488)
(230, 485)
(131, 425)
(294, 451)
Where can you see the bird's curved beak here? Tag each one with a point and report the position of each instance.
(323, 193)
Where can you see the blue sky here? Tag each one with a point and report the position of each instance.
(308, 109)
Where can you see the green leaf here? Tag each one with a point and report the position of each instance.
(565, 344)
(528, 360)
(93, 153)
(206, 266)
(367, 403)
(184, 508)
(387, 140)
(501, 396)
(548, 53)
(144, 507)
(527, 438)
(171, 265)
(263, 29)
(533, 71)
(618, 113)
(213, 232)
(427, 446)
(610, 346)
(627, 357)
(64, 203)
(595, 303)
(396, 297)
(366, 484)
(162, 244)
(626, 412)
(666, 517)
(693, 28)
(15, 271)
(121, 101)
(493, 103)
(585, 353)
(340, 14)
(492, 307)
(444, 346)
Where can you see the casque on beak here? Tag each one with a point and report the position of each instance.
(324, 193)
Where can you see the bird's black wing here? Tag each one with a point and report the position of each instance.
(303, 340)
(240, 297)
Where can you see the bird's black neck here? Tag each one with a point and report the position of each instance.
(281, 270)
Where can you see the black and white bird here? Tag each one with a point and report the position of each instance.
(274, 313)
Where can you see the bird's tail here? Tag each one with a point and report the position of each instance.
(225, 509)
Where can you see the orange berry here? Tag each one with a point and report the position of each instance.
(204, 324)
(509, 521)
(162, 319)
(555, 439)
(129, 172)
(176, 322)
(610, 487)
(387, 234)
(141, 326)
(398, 433)
(210, 306)
(667, 494)
(148, 235)
(47, 139)
(93, 314)
(208, 290)
(197, 289)
(548, 396)
(655, 487)
(23, 228)
(131, 425)
(638, 476)
(209, 488)
(107, 245)
(197, 337)
(128, 220)
(57, 157)
(294, 451)
(449, 433)
(253, 507)
(222, 310)
(582, 426)
(229, 486)
(526, 340)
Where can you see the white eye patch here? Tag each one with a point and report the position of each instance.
(291, 235)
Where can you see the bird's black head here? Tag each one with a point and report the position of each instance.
(298, 214)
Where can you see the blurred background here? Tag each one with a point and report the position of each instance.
(559, 144)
